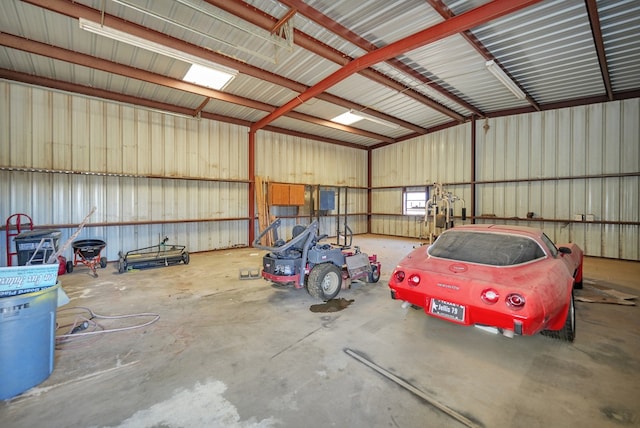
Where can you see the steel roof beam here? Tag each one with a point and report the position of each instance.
(77, 58)
(262, 20)
(76, 11)
(156, 105)
(363, 43)
(446, 13)
(465, 21)
(596, 32)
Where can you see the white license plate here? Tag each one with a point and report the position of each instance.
(447, 309)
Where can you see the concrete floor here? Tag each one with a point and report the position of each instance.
(239, 353)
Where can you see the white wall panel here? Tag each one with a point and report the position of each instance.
(289, 159)
(177, 202)
(110, 148)
(550, 152)
(439, 157)
(591, 140)
(551, 163)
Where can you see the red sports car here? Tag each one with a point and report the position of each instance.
(509, 277)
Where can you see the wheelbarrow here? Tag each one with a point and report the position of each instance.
(87, 252)
(155, 255)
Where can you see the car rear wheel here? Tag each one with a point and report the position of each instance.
(577, 284)
(325, 281)
(568, 331)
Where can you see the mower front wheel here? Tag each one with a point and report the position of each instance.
(324, 281)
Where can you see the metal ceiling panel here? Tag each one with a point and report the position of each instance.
(334, 134)
(381, 22)
(390, 101)
(96, 79)
(233, 110)
(259, 90)
(455, 65)
(620, 22)
(549, 49)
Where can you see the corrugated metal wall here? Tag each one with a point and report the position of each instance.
(442, 157)
(150, 174)
(598, 145)
(556, 164)
(289, 159)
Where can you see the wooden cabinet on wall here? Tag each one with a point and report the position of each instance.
(286, 194)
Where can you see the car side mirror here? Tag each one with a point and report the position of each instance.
(564, 250)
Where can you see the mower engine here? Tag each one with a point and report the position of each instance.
(283, 268)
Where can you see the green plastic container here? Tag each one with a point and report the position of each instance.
(27, 340)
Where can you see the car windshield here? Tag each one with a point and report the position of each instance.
(496, 249)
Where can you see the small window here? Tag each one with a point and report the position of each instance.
(415, 200)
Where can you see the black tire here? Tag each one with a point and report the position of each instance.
(69, 266)
(185, 258)
(568, 332)
(374, 275)
(325, 281)
(577, 285)
(103, 262)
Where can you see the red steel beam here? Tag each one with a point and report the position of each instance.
(61, 54)
(465, 21)
(363, 43)
(596, 31)
(446, 13)
(287, 16)
(256, 17)
(74, 10)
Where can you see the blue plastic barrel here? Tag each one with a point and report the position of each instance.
(27, 340)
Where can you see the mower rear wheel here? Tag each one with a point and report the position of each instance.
(325, 281)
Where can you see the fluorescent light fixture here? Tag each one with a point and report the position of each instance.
(218, 70)
(353, 116)
(504, 79)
